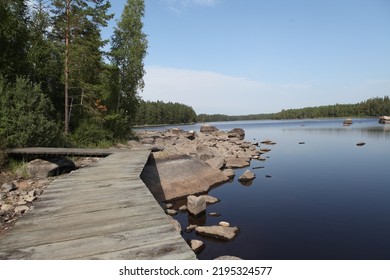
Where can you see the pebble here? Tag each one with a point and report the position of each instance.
(190, 228)
(171, 212)
(21, 209)
(224, 224)
(8, 187)
(183, 208)
(214, 214)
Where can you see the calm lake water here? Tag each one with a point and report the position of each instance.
(325, 199)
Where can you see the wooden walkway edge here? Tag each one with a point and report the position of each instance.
(102, 211)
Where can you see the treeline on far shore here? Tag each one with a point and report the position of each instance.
(159, 112)
(373, 107)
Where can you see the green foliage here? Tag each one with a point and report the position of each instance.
(91, 134)
(128, 51)
(25, 115)
(151, 113)
(14, 38)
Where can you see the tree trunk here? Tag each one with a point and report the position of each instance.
(67, 67)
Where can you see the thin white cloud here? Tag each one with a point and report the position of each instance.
(180, 6)
(215, 93)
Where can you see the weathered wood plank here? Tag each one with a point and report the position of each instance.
(100, 212)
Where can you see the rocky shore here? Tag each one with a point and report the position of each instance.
(188, 162)
(185, 165)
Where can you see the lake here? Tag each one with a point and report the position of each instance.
(325, 199)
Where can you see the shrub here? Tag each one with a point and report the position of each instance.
(25, 115)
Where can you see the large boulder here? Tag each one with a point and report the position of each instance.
(208, 129)
(237, 132)
(218, 232)
(40, 168)
(170, 176)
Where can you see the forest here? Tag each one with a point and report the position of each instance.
(373, 107)
(61, 83)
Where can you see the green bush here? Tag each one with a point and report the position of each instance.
(91, 134)
(25, 115)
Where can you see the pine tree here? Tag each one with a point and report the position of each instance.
(129, 45)
(77, 25)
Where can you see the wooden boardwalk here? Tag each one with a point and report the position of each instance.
(47, 151)
(102, 211)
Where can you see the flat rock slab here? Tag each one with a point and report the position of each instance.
(219, 232)
(237, 162)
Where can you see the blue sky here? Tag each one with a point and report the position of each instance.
(260, 56)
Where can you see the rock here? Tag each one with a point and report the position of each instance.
(190, 135)
(237, 132)
(2, 196)
(191, 228)
(177, 130)
(171, 176)
(360, 144)
(237, 162)
(169, 205)
(229, 172)
(247, 176)
(147, 141)
(208, 129)
(268, 176)
(301, 143)
(6, 207)
(227, 257)
(196, 205)
(224, 224)
(216, 162)
(196, 245)
(214, 214)
(171, 212)
(219, 232)
(384, 120)
(210, 199)
(183, 208)
(205, 152)
(347, 121)
(175, 224)
(8, 187)
(21, 209)
(2, 213)
(51, 167)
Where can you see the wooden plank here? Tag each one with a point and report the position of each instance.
(101, 212)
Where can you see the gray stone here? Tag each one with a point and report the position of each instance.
(237, 162)
(147, 141)
(210, 199)
(183, 208)
(208, 129)
(8, 187)
(21, 209)
(228, 258)
(216, 162)
(214, 214)
(229, 172)
(6, 207)
(205, 152)
(2, 213)
(219, 232)
(224, 224)
(52, 167)
(196, 245)
(191, 228)
(247, 176)
(190, 135)
(196, 205)
(237, 132)
(171, 212)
